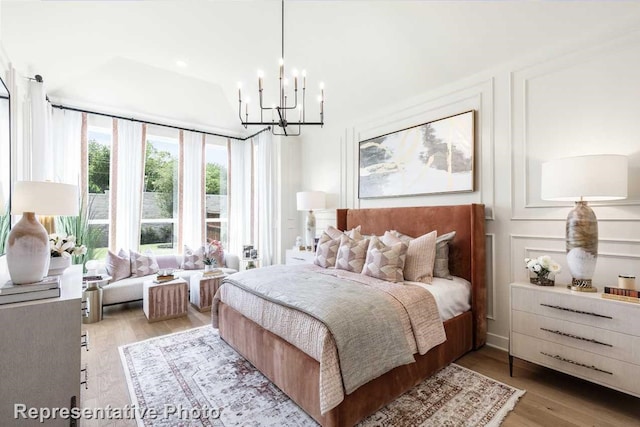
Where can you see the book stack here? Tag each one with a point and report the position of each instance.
(49, 287)
(212, 273)
(620, 294)
(162, 278)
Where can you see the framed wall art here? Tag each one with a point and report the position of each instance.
(431, 158)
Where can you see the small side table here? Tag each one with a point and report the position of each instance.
(202, 290)
(249, 263)
(92, 298)
(162, 301)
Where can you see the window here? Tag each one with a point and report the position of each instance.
(216, 191)
(158, 228)
(99, 140)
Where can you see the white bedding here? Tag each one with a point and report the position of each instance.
(452, 296)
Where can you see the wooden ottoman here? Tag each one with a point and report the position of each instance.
(161, 301)
(203, 288)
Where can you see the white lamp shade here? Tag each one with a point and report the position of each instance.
(310, 200)
(589, 178)
(44, 198)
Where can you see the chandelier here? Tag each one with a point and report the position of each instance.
(285, 118)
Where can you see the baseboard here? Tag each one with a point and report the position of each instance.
(498, 341)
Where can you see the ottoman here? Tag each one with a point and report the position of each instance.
(161, 301)
(203, 288)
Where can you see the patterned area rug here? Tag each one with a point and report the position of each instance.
(194, 378)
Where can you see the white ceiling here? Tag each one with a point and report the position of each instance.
(121, 55)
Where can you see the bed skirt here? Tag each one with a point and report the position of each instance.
(285, 365)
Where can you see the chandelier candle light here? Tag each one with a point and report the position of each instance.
(279, 112)
(584, 179)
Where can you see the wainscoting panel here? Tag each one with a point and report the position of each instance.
(578, 104)
(615, 256)
(491, 275)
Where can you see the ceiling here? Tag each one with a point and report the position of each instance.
(121, 55)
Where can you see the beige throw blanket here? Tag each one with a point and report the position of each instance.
(375, 325)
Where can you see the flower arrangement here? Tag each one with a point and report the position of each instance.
(213, 252)
(542, 267)
(65, 246)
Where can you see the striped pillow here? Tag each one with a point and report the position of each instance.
(421, 256)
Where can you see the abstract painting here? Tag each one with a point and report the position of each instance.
(434, 157)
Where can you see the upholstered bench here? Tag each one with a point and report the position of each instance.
(162, 301)
(203, 288)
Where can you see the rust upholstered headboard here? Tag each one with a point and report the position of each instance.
(467, 251)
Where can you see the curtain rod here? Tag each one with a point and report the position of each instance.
(79, 110)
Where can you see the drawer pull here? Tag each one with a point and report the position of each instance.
(85, 371)
(84, 340)
(299, 259)
(557, 307)
(573, 362)
(564, 334)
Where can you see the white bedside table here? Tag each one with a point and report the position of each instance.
(294, 257)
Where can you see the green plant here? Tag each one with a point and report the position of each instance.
(78, 226)
(5, 220)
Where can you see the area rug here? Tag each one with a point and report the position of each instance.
(194, 378)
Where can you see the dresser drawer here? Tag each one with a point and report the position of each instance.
(599, 369)
(584, 309)
(595, 340)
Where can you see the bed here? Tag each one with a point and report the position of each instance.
(298, 374)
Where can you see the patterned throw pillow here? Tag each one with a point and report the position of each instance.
(352, 254)
(193, 260)
(354, 233)
(327, 251)
(385, 262)
(117, 266)
(441, 266)
(143, 265)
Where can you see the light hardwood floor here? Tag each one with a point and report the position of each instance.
(552, 398)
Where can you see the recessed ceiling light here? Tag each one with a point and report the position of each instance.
(180, 63)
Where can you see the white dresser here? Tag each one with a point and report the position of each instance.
(580, 334)
(40, 352)
(294, 257)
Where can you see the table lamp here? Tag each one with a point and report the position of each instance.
(584, 179)
(28, 250)
(308, 201)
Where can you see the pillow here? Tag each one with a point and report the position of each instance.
(117, 266)
(352, 254)
(385, 262)
(421, 256)
(441, 265)
(193, 260)
(354, 233)
(327, 251)
(143, 265)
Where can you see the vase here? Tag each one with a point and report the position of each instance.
(542, 280)
(208, 268)
(57, 265)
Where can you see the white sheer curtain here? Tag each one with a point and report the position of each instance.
(266, 196)
(38, 112)
(192, 190)
(66, 138)
(129, 172)
(240, 182)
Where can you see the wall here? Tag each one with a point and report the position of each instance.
(559, 102)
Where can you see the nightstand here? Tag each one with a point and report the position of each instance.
(294, 257)
(577, 333)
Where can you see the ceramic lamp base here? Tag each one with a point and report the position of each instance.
(582, 285)
(28, 252)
